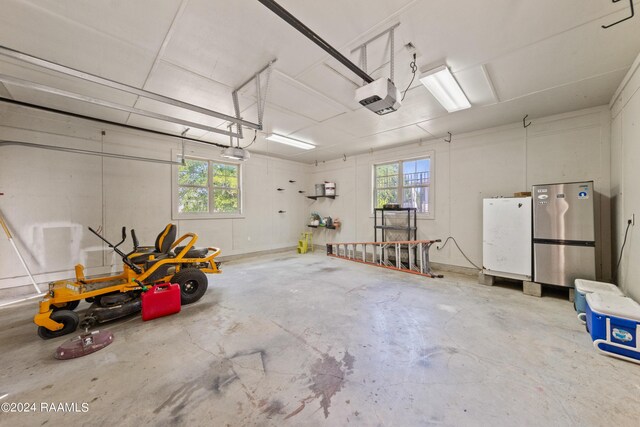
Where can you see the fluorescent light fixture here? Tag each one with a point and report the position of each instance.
(236, 153)
(444, 87)
(290, 141)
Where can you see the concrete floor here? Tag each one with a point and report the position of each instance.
(293, 339)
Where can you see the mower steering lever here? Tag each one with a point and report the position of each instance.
(111, 245)
(118, 251)
(136, 243)
(125, 257)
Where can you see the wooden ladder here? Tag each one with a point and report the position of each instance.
(410, 256)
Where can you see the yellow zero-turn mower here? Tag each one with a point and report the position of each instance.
(117, 296)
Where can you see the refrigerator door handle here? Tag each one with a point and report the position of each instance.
(564, 242)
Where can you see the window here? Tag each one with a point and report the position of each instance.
(406, 182)
(207, 188)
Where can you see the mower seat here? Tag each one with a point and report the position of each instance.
(193, 252)
(161, 248)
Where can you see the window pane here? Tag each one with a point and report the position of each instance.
(225, 201)
(225, 181)
(387, 175)
(416, 172)
(387, 181)
(193, 199)
(386, 196)
(387, 170)
(416, 197)
(193, 172)
(225, 175)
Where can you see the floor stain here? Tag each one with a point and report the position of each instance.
(261, 352)
(348, 360)
(275, 407)
(233, 328)
(303, 404)
(328, 376)
(214, 380)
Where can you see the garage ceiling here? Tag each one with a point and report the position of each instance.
(541, 57)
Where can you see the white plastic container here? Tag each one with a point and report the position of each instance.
(329, 188)
(584, 287)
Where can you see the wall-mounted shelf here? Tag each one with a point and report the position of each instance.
(317, 226)
(319, 197)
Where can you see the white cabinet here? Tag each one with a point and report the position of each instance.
(506, 237)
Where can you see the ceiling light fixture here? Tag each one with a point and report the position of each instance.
(290, 141)
(444, 87)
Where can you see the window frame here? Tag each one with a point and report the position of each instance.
(400, 187)
(175, 199)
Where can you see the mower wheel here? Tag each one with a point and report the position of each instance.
(68, 318)
(193, 284)
(71, 305)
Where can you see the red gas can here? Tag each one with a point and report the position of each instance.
(161, 300)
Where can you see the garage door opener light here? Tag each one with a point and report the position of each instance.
(237, 152)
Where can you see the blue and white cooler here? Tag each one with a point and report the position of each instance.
(584, 287)
(614, 324)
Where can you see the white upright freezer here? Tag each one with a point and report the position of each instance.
(506, 237)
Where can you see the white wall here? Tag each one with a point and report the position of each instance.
(51, 197)
(625, 178)
(493, 162)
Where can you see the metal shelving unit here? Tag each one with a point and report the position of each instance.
(382, 223)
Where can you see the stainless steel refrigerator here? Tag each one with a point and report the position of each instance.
(563, 233)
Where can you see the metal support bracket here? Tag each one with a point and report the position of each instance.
(525, 125)
(363, 49)
(108, 104)
(11, 53)
(624, 19)
(261, 99)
